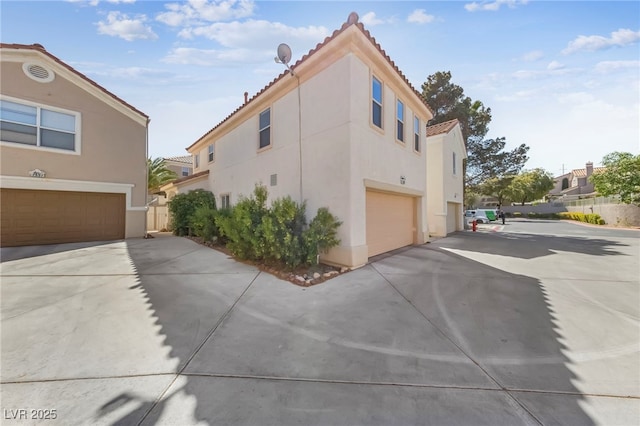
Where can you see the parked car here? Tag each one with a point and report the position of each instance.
(481, 215)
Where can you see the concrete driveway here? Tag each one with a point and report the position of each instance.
(507, 327)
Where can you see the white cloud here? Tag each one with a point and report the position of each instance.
(120, 25)
(419, 16)
(555, 65)
(96, 2)
(606, 67)
(622, 37)
(532, 56)
(493, 6)
(369, 19)
(202, 11)
(256, 34)
(213, 57)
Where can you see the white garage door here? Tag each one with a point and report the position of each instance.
(452, 217)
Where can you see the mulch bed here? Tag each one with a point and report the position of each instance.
(301, 276)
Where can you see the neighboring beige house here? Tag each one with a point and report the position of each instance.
(445, 179)
(182, 165)
(73, 155)
(345, 131)
(575, 182)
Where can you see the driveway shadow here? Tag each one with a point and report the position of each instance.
(501, 321)
(24, 252)
(529, 246)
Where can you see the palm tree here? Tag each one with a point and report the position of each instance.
(158, 173)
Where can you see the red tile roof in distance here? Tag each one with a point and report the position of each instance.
(352, 20)
(441, 128)
(40, 48)
(191, 177)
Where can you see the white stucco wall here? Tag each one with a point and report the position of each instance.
(340, 152)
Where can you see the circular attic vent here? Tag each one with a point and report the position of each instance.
(38, 73)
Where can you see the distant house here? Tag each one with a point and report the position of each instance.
(182, 165)
(445, 179)
(575, 182)
(73, 155)
(345, 130)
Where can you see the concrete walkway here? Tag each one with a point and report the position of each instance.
(164, 331)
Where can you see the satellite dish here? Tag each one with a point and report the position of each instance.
(284, 53)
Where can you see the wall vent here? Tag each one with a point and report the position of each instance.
(38, 72)
(274, 180)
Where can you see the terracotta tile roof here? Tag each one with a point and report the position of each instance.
(313, 51)
(580, 173)
(39, 48)
(187, 159)
(190, 177)
(441, 128)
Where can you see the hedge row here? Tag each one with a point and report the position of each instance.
(278, 234)
(582, 217)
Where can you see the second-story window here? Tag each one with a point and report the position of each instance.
(196, 161)
(454, 163)
(400, 120)
(185, 171)
(416, 134)
(265, 128)
(376, 102)
(211, 153)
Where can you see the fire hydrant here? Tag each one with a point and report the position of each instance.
(474, 225)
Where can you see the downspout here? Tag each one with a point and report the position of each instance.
(299, 135)
(146, 174)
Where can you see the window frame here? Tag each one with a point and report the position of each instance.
(454, 164)
(268, 128)
(400, 122)
(184, 170)
(228, 198)
(38, 126)
(417, 142)
(211, 153)
(196, 161)
(380, 103)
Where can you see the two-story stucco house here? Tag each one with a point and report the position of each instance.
(445, 152)
(344, 130)
(181, 165)
(73, 155)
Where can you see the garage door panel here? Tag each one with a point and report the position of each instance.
(31, 217)
(390, 221)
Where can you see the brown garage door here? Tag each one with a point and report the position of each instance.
(390, 221)
(30, 217)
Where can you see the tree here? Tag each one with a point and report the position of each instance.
(158, 173)
(530, 186)
(486, 158)
(497, 187)
(620, 177)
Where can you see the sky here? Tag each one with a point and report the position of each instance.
(562, 77)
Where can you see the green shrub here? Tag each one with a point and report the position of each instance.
(279, 234)
(592, 218)
(242, 228)
(321, 235)
(517, 214)
(203, 223)
(183, 206)
(219, 216)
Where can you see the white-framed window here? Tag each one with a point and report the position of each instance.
(185, 171)
(211, 152)
(27, 124)
(196, 161)
(376, 102)
(225, 201)
(265, 128)
(416, 134)
(454, 163)
(399, 120)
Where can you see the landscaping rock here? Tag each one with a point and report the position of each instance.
(300, 279)
(343, 269)
(316, 275)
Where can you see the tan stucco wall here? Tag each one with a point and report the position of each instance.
(113, 146)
